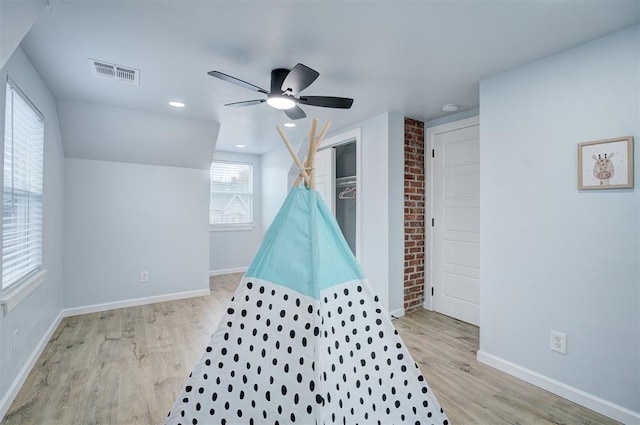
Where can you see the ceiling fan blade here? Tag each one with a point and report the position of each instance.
(299, 78)
(295, 113)
(327, 101)
(236, 81)
(246, 103)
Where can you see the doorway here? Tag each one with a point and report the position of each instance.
(455, 212)
(338, 180)
(346, 193)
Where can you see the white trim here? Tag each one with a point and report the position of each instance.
(17, 383)
(231, 228)
(14, 296)
(95, 308)
(428, 208)
(397, 313)
(590, 401)
(427, 292)
(227, 271)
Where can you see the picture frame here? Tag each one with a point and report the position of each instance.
(606, 164)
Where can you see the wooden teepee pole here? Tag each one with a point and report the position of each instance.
(299, 164)
(313, 148)
(307, 171)
(308, 165)
(316, 145)
(295, 183)
(309, 161)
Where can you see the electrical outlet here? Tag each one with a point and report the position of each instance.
(559, 342)
(15, 341)
(144, 276)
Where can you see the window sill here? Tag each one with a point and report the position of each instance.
(14, 296)
(236, 228)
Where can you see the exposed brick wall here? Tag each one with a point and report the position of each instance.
(414, 209)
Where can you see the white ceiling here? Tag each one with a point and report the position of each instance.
(408, 56)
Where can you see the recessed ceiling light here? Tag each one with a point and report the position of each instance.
(289, 124)
(241, 146)
(450, 107)
(176, 104)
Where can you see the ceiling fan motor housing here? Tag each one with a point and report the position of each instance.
(277, 78)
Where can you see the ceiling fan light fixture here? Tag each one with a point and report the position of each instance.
(289, 124)
(280, 102)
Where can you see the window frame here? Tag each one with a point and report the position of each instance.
(227, 227)
(14, 293)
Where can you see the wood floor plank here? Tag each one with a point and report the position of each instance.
(127, 366)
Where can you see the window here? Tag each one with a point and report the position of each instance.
(22, 202)
(231, 185)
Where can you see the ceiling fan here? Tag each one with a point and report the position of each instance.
(285, 85)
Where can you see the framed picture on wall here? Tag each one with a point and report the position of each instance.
(606, 164)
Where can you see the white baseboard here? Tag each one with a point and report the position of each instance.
(590, 401)
(227, 271)
(17, 383)
(399, 312)
(427, 302)
(96, 308)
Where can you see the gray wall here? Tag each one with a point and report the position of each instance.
(396, 211)
(235, 249)
(121, 219)
(275, 183)
(553, 257)
(35, 314)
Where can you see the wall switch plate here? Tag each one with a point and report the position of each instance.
(559, 342)
(144, 276)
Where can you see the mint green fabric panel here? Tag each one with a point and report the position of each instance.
(304, 248)
(285, 256)
(336, 263)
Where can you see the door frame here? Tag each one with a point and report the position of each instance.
(428, 213)
(341, 139)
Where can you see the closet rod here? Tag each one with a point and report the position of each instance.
(345, 183)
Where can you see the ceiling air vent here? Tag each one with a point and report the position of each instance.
(115, 72)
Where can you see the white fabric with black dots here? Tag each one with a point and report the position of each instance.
(280, 357)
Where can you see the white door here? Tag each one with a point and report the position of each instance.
(324, 169)
(456, 227)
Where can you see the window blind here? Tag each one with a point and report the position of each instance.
(231, 193)
(22, 188)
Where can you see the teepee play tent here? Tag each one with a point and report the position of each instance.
(304, 340)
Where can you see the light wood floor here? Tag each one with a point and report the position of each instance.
(127, 366)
